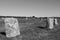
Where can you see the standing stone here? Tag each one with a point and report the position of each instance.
(12, 27)
(51, 22)
(56, 22)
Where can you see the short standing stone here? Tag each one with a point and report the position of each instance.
(56, 22)
(12, 27)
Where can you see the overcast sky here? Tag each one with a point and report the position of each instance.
(37, 8)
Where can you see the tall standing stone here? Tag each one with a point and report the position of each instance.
(51, 22)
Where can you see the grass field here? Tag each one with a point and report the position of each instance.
(31, 30)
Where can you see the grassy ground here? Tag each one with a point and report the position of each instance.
(30, 31)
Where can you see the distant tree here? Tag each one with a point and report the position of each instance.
(33, 16)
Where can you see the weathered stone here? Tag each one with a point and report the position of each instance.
(12, 27)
